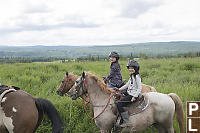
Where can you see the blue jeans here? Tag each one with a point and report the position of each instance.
(111, 86)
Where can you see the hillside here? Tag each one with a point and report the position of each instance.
(151, 48)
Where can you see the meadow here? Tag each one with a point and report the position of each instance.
(174, 75)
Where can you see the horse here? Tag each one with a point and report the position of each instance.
(20, 112)
(159, 113)
(66, 84)
(69, 80)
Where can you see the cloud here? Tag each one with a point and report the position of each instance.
(34, 22)
(99, 22)
(31, 27)
(41, 8)
(135, 8)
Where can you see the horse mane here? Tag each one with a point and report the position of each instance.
(100, 82)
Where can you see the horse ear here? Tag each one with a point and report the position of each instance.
(83, 75)
(67, 74)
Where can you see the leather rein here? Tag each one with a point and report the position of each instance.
(83, 86)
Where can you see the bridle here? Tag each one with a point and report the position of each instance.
(82, 86)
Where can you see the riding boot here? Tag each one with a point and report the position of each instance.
(125, 117)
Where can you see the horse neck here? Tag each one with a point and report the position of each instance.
(95, 92)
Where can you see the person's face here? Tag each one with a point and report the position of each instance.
(131, 70)
(112, 59)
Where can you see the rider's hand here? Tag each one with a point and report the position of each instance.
(117, 95)
(133, 99)
(117, 89)
(105, 80)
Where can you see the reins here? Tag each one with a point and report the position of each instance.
(102, 110)
(85, 104)
(82, 104)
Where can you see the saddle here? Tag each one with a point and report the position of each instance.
(4, 89)
(136, 107)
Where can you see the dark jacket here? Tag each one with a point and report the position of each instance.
(115, 76)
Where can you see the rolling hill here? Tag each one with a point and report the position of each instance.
(150, 48)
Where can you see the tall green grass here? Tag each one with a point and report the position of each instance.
(178, 75)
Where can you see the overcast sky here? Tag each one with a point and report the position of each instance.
(97, 22)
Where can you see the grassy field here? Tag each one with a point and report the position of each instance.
(178, 75)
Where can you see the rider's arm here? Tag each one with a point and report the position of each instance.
(114, 69)
(139, 86)
(125, 86)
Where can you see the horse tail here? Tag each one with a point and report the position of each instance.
(46, 107)
(179, 111)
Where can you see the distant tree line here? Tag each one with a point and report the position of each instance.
(93, 58)
(141, 55)
(30, 59)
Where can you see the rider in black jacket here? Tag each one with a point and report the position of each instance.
(115, 77)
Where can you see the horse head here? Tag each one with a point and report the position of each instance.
(66, 84)
(78, 88)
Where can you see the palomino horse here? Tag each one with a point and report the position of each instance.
(22, 113)
(69, 80)
(160, 111)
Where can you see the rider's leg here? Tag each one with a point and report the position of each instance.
(125, 101)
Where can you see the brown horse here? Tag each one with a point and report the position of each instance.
(22, 113)
(69, 80)
(66, 84)
(160, 112)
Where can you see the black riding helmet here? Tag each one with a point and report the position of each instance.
(114, 54)
(135, 65)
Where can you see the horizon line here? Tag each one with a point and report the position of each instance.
(93, 45)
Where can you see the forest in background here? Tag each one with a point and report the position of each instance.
(150, 49)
